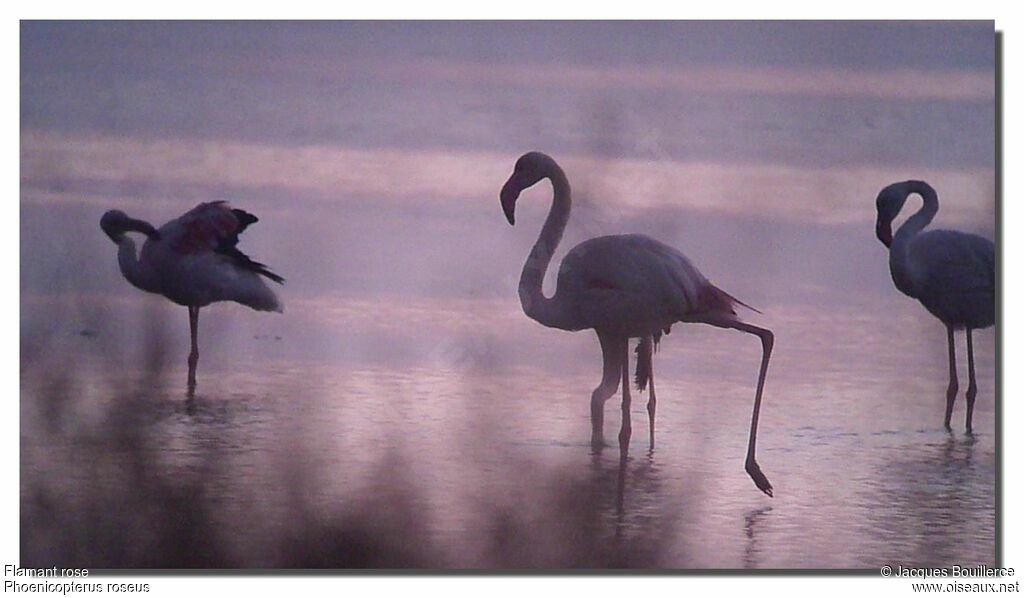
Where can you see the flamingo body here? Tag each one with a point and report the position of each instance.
(196, 263)
(622, 287)
(633, 286)
(953, 277)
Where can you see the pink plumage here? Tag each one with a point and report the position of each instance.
(622, 287)
(203, 227)
(194, 261)
(952, 274)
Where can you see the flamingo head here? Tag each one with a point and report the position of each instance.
(116, 223)
(889, 203)
(530, 169)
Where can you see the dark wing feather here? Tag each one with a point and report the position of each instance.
(244, 219)
(227, 246)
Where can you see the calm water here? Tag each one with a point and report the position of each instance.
(403, 411)
(469, 448)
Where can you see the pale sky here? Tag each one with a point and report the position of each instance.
(379, 148)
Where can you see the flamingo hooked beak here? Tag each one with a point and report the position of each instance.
(883, 230)
(509, 194)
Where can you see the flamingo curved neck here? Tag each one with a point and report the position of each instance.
(531, 295)
(128, 261)
(901, 265)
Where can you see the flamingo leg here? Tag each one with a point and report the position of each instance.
(767, 342)
(627, 429)
(193, 356)
(604, 391)
(652, 402)
(972, 386)
(953, 385)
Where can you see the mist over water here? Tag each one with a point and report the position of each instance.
(403, 411)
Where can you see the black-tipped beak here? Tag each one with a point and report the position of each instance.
(883, 230)
(509, 194)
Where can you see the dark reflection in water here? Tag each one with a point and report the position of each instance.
(635, 510)
(242, 480)
(305, 466)
(751, 522)
(934, 504)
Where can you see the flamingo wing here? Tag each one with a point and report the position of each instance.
(196, 261)
(213, 227)
(954, 262)
(635, 280)
(957, 276)
(201, 229)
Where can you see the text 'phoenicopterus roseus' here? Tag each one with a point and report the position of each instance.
(952, 274)
(193, 261)
(622, 286)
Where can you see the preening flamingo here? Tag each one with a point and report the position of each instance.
(193, 261)
(622, 286)
(951, 273)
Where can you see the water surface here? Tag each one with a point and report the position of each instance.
(403, 412)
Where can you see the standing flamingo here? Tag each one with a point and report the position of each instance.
(622, 286)
(193, 261)
(951, 273)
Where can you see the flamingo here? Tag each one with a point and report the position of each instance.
(623, 287)
(950, 272)
(193, 261)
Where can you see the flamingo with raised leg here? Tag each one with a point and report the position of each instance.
(623, 287)
(952, 274)
(194, 261)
